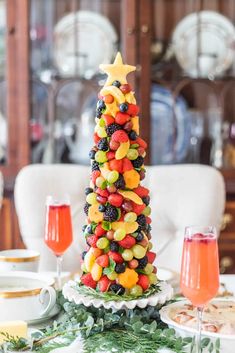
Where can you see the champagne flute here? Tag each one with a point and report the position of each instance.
(58, 230)
(200, 270)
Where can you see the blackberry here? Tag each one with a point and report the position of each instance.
(92, 154)
(123, 107)
(146, 200)
(111, 214)
(95, 166)
(114, 246)
(143, 262)
(120, 268)
(83, 254)
(117, 288)
(100, 104)
(103, 144)
(139, 236)
(116, 83)
(112, 128)
(86, 208)
(102, 208)
(133, 135)
(138, 162)
(88, 191)
(120, 183)
(141, 220)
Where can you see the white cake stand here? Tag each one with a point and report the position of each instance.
(165, 293)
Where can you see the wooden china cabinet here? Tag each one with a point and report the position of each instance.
(38, 85)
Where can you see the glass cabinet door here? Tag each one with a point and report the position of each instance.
(68, 39)
(3, 114)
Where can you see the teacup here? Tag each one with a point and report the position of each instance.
(19, 260)
(26, 296)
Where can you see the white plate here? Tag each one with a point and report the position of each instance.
(55, 311)
(229, 283)
(95, 39)
(70, 293)
(164, 274)
(217, 36)
(227, 341)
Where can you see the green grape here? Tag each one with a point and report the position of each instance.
(102, 243)
(101, 122)
(150, 245)
(91, 198)
(130, 217)
(138, 251)
(101, 132)
(136, 291)
(147, 211)
(101, 157)
(100, 181)
(132, 154)
(127, 255)
(148, 269)
(112, 177)
(83, 267)
(112, 276)
(119, 234)
(152, 278)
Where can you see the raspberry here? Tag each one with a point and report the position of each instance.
(95, 166)
(111, 214)
(112, 128)
(138, 162)
(103, 144)
(120, 136)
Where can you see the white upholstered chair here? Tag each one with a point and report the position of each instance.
(180, 195)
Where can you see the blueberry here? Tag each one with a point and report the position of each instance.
(120, 268)
(84, 227)
(143, 262)
(88, 191)
(92, 154)
(89, 229)
(100, 105)
(117, 288)
(146, 200)
(139, 237)
(123, 107)
(114, 246)
(133, 135)
(83, 254)
(102, 208)
(116, 83)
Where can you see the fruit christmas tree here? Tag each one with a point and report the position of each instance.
(119, 257)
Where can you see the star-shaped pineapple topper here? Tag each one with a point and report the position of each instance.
(117, 70)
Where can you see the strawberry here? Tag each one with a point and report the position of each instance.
(94, 175)
(141, 191)
(115, 200)
(115, 256)
(127, 242)
(120, 136)
(141, 142)
(151, 256)
(138, 209)
(96, 138)
(103, 284)
(88, 281)
(122, 118)
(110, 155)
(108, 119)
(103, 193)
(127, 165)
(133, 109)
(143, 281)
(99, 231)
(91, 240)
(103, 260)
(115, 164)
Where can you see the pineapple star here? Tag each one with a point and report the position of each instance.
(117, 70)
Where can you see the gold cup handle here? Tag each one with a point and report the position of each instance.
(226, 221)
(226, 263)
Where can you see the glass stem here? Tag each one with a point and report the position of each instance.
(59, 267)
(199, 329)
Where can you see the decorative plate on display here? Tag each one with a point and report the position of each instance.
(209, 34)
(82, 41)
(72, 294)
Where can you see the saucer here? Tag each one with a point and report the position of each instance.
(55, 311)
